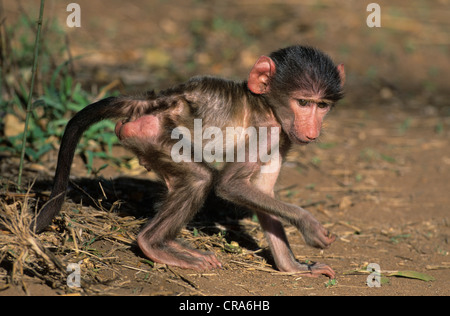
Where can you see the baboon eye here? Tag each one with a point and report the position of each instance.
(322, 105)
(302, 102)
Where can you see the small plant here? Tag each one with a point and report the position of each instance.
(369, 155)
(331, 282)
(52, 104)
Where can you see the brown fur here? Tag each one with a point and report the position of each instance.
(268, 99)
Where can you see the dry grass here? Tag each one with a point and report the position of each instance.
(75, 237)
(46, 257)
(21, 250)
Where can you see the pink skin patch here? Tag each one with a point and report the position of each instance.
(146, 126)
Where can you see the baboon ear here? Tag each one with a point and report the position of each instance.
(341, 70)
(259, 77)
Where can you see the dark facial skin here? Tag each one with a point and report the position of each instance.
(289, 93)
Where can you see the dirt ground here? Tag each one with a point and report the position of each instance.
(379, 178)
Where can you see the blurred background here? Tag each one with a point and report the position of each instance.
(152, 44)
(138, 45)
(378, 177)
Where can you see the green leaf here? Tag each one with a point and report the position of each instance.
(44, 149)
(331, 283)
(90, 160)
(149, 262)
(412, 275)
